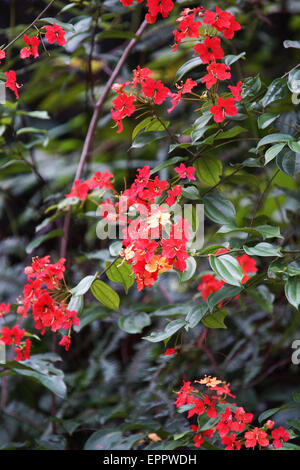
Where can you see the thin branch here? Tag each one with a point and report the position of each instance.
(92, 127)
(30, 26)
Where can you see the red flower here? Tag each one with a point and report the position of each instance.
(139, 75)
(236, 91)
(198, 409)
(185, 172)
(223, 107)
(158, 6)
(210, 407)
(208, 285)
(230, 442)
(11, 82)
(257, 436)
(101, 180)
(155, 89)
(270, 424)
(183, 89)
(242, 419)
(23, 352)
(79, 190)
(248, 266)
(55, 33)
(2, 55)
(187, 27)
(12, 335)
(65, 341)
(4, 309)
(279, 435)
(225, 422)
(183, 394)
(124, 106)
(169, 352)
(216, 72)
(222, 21)
(173, 194)
(210, 50)
(32, 47)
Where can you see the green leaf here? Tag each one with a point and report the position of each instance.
(65, 26)
(191, 192)
(76, 303)
(263, 249)
(289, 162)
(40, 368)
(105, 294)
(202, 120)
(231, 59)
(171, 310)
(293, 82)
(294, 146)
(169, 331)
(288, 43)
(187, 67)
(190, 270)
(292, 291)
(121, 273)
(233, 132)
(268, 231)
(145, 138)
(31, 130)
(266, 119)
(226, 291)
(35, 114)
(140, 126)
(84, 285)
(215, 320)
(134, 322)
(92, 314)
(218, 209)
(272, 152)
(276, 91)
(43, 238)
(209, 170)
(195, 315)
(170, 162)
(268, 413)
(251, 87)
(227, 268)
(274, 138)
(199, 132)
(156, 125)
(263, 297)
(14, 166)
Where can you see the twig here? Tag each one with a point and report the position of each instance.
(28, 27)
(92, 127)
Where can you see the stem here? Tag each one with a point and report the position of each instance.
(92, 127)
(28, 27)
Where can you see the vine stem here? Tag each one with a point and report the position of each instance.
(28, 27)
(92, 126)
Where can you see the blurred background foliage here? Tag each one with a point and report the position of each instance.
(117, 383)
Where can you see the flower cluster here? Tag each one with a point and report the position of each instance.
(54, 33)
(164, 7)
(205, 25)
(153, 241)
(231, 424)
(100, 180)
(145, 91)
(45, 296)
(210, 284)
